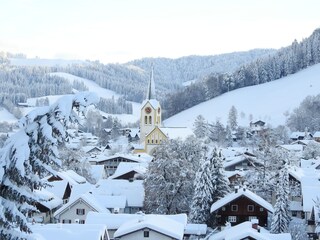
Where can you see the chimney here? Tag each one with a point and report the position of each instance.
(236, 188)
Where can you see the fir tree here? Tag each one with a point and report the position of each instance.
(281, 216)
(200, 127)
(28, 156)
(232, 118)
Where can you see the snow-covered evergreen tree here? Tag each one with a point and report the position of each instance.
(200, 127)
(29, 155)
(203, 192)
(233, 118)
(281, 217)
(210, 185)
(169, 179)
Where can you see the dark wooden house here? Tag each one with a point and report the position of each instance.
(240, 206)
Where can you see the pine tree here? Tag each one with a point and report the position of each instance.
(232, 118)
(281, 216)
(200, 127)
(203, 192)
(30, 154)
(210, 185)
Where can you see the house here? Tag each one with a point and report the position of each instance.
(294, 136)
(248, 230)
(133, 191)
(46, 206)
(316, 136)
(115, 221)
(257, 126)
(153, 227)
(111, 163)
(240, 206)
(76, 210)
(241, 162)
(130, 171)
(69, 232)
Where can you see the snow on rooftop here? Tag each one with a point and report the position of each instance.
(244, 230)
(195, 229)
(153, 102)
(126, 167)
(69, 231)
(134, 191)
(79, 179)
(292, 147)
(48, 199)
(310, 187)
(241, 192)
(160, 224)
(89, 199)
(114, 221)
(58, 188)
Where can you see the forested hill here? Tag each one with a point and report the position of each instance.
(285, 61)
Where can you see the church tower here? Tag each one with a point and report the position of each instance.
(150, 116)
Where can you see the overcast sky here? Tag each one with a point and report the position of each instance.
(122, 30)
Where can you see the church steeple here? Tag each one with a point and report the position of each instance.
(151, 92)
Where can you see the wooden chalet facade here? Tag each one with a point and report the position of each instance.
(241, 206)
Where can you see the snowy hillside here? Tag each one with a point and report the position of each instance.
(5, 116)
(104, 93)
(267, 102)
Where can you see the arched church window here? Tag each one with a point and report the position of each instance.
(145, 120)
(150, 120)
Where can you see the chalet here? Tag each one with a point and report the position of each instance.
(123, 221)
(130, 171)
(241, 162)
(257, 126)
(240, 206)
(248, 230)
(153, 227)
(69, 231)
(111, 162)
(294, 136)
(76, 210)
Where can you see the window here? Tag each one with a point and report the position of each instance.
(223, 209)
(150, 119)
(250, 208)
(234, 208)
(80, 211)
(145, 120)
(146, 233)
(261, 209)
(66, 221)
(232, 219)
(81, 221)
(294, 213)
(252, 217)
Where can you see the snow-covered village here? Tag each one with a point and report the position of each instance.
(155, 120)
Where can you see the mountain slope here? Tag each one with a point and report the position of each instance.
(267, 102)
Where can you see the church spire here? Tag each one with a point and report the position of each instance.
(151, 93)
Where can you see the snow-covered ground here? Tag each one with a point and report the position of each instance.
(267, 102)
(104, 93)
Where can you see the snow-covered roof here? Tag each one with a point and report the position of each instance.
(158, 223)
(126, 167)
(97, 172)
(58, 188)
(114, 221)
(316, 134)
(310, 163)
(244, 230)
(195, 229)
(177, 132)
(241, 192)
(110, 201)
(87, 198)
(134, 191)
(134, 131)
(48, 199)
(310, 187)
(296, 206)
(236, 172)
(78, 190)
(76, 177)
(238, 159)
(295, 135)
(68, 231)
(132, 157)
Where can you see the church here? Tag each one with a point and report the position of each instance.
(152, 133)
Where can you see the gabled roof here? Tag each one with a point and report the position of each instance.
(126, 167)
(160, 224)
(88, 199)
(69, 231)
(153, 102)
(48, 199)
(241, 192)
(245, 230)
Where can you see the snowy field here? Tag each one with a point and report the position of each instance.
(267, 102)
(5, 116)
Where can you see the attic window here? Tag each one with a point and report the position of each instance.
(234, 208)
(146, 233)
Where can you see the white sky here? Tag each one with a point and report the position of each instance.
(123, 30)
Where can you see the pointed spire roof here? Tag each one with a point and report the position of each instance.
(151, 93)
